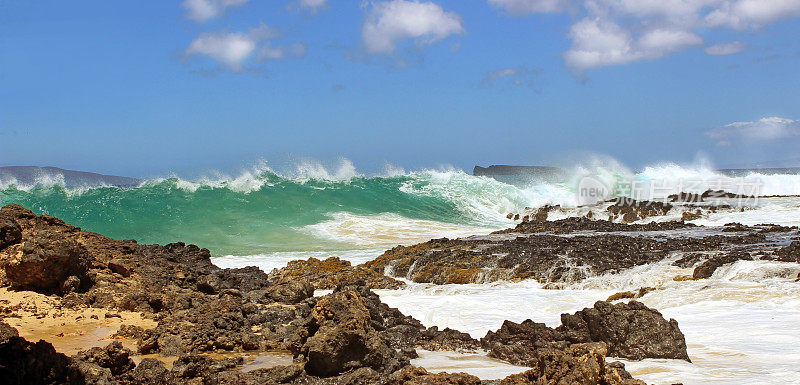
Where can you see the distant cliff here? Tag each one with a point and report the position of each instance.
(32, 175)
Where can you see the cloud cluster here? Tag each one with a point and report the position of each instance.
(725, 48)
(751, 14)
(616, 32)
(233, 49)
(390, 22)
(764, 129)
(204, 10)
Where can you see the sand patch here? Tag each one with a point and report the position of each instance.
(41, 317)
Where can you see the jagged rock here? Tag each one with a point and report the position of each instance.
(331, 272)
(113, 357)
(544, 257)
(339, 337)
(290, 291)
(10, 232)
(579, 364)
(630, 330)
(707, 268)
(45, 262)
(632, 210)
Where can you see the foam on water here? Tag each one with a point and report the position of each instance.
(741, 325)
(277, 260)
(387, 230)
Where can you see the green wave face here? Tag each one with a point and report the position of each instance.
(268, 213)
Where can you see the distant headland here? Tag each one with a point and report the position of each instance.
(32, 175)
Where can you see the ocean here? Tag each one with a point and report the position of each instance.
(741, 325)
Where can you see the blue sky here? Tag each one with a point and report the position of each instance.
(147, 88)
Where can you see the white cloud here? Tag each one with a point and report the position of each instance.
(522, 7)
(231, 49)
(296, 50)
(312, 5)
(725, 48)
(391, 21)
(764, 129)
(598, 42)
(616, 32)
(751, 14)
(204, 10)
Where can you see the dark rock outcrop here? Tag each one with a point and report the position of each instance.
(27, 363)
(630, 210)
(46, 264)
(707, 268)
(790, 253)
(544, 257)
(631, 331)
(579, 364)
(339, 337)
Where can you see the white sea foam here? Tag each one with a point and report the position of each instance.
(386, 230)
(277, 260)
(740, 325)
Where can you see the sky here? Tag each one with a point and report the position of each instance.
(157, 87)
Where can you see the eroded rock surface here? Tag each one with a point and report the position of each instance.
(631, 331)
(545, 257)
(331, 272)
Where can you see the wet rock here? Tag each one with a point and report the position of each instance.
(569, 225)
(686, 197)
(630, 330)
(690, 259)
(790, 253)
(690, 216)
(632, 210)
(707, 268)
(44, 263)
(544, 257)
(580, 364)
(331, 272)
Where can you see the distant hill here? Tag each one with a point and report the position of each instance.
(31, 175)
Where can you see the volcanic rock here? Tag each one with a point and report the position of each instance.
(630, 330)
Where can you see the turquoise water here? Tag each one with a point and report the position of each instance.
(267, 212)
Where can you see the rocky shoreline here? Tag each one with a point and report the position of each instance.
(168, 304)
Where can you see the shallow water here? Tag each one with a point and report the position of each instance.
(741, 325)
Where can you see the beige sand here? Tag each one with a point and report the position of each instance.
(37, 316)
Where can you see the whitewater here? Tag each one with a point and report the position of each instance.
(741, 325)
